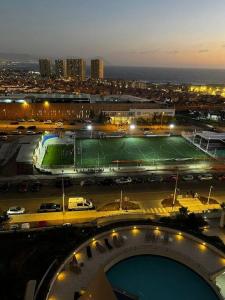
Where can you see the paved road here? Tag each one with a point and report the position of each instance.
(148, 195)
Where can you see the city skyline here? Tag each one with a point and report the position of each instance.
(147, 33)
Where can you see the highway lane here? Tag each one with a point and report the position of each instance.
(148, 195)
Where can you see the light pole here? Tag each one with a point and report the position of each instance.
(74, 151)
(121, 199)
(162, 118)
(175, 190)
(171, 126)
(63, 195)
(90, 128)
(210, 191)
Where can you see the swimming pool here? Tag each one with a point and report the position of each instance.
(155, 277)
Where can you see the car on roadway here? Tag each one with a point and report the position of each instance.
(59, 124)
(188, 177)
(155, 178)
(205, 177)
(123, 180)
(23, 187)
(31, 120)
(49, 207)
(16, 210)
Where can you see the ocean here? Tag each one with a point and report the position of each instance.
(156, 75)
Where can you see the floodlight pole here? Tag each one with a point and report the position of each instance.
(121, 199)
(74, 151)
(175, 190)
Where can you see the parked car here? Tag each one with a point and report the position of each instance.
(48, 122)
(171, 178)
(14, 123)
(21, 120)
(188, 177)
(221, 177)
(16, 210)
(32, 127)
(35, 186)
(107, 181)
(21, 127)
(203, 177)
(4, 187)
(16, 132)
(59, 124)
(155, 178)
(87, 182)
(123, 180)
(66, 182)
(31, 120)
(49, 207)
(138, 180)
(30, 132)
(23, 187)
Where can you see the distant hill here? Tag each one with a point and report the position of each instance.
(20, 57)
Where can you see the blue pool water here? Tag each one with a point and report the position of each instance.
(154, 278)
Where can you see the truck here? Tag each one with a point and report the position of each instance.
(79, 203)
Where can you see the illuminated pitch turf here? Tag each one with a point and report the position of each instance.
(130, 151)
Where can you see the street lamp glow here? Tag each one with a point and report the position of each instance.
(89, 127)
(46, 104)
(132, 126)
(172, 126)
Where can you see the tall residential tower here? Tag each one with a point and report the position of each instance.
(60, 68)
(97, 69)
(76, 68)
(45, 67)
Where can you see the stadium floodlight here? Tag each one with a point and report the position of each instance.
(172, 126)
(132, 126)
(89, 127)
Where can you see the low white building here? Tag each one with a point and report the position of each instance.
(129, 116)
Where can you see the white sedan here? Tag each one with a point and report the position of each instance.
(16, 210)
(123, 180)
(188, 177)
(205, 177)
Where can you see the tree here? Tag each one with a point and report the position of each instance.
(183, 211)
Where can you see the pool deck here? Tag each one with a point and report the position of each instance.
(203, 258)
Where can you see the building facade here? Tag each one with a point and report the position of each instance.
(76, 68)
(60, 68)
(45, 67)
(97, 69)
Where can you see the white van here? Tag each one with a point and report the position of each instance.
(79, 203)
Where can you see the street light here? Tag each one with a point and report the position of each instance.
(210, 191)
(132, 126)
(175, 190)
(90, 128)
(172, 126)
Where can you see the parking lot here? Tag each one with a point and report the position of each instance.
(148, 191)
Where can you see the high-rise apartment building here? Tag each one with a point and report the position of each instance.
(97, 69)
(76, 68)
(60, 68)
(45, 67)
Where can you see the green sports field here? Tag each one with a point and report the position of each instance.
(130, 151)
